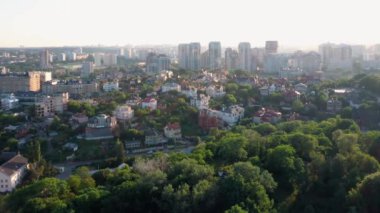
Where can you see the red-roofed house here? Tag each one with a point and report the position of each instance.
(269, 116)
(173, 131)
(149, 103)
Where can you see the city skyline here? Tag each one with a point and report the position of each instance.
(39, 23)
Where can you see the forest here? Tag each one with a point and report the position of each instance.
(294, 166)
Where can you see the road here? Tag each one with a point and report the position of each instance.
(69, 166)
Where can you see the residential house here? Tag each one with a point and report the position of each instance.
(267, 115)
(111, 86)
(12, 172)
(149, 103)
(215, 91)
(208, 119)
(173, 131)
(301, 88)
(152, 138)
(171, 87)
(190, 92)
(100, 127)
(200, 102)
(124, 113)
(334, 106)
(132, 144)
(9, 102)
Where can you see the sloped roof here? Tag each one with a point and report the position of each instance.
(14, 164)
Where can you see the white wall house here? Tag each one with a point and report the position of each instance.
(200, 102)
(111, 86)
(12, 172)
(190, 92)
(215, 91)
(173, 131)
(232, 115)
(171, 87)
(124, 113)
(9, 102)
(149, 103)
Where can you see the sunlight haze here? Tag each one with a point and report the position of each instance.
(116, 22)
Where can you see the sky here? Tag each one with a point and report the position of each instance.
(301, 23)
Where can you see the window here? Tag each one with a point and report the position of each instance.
(6, 180)
(2, 186)
(6, 186)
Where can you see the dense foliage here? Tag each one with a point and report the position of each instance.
(294, 166)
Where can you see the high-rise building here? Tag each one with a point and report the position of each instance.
(61, 57)
(20, 82)
(189, 56)
(271, 47)
(194, 62)
(45, 59)
(205, 60)
(336, 56)
(183, 55)
(245, 56)
(87, 69)
(231, 58)
(157, 62)
(215, 55)
(107, 59)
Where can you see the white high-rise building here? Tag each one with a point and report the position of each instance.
(215, 55)
(245, 56)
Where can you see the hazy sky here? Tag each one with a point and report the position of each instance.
(120, 22)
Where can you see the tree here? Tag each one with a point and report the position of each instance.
(120, 151)
(365, 196)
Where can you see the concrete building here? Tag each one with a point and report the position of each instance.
(50, 105)
(87, 69)
(171, 87)
(189, 56)
(111, 86)
(231, 59)
(201, 102)
(12, 172)
(157, 62)
(275, 63)
(61, 57)
(72, 87)
(215, 55)
(45, 59)
(9, 102)
(105, 59)
(71, 56)
(190, 92)
(336, 56)
(245, 56)
(215, 91)
(334, 106)
(271, 47)
(20, 82)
